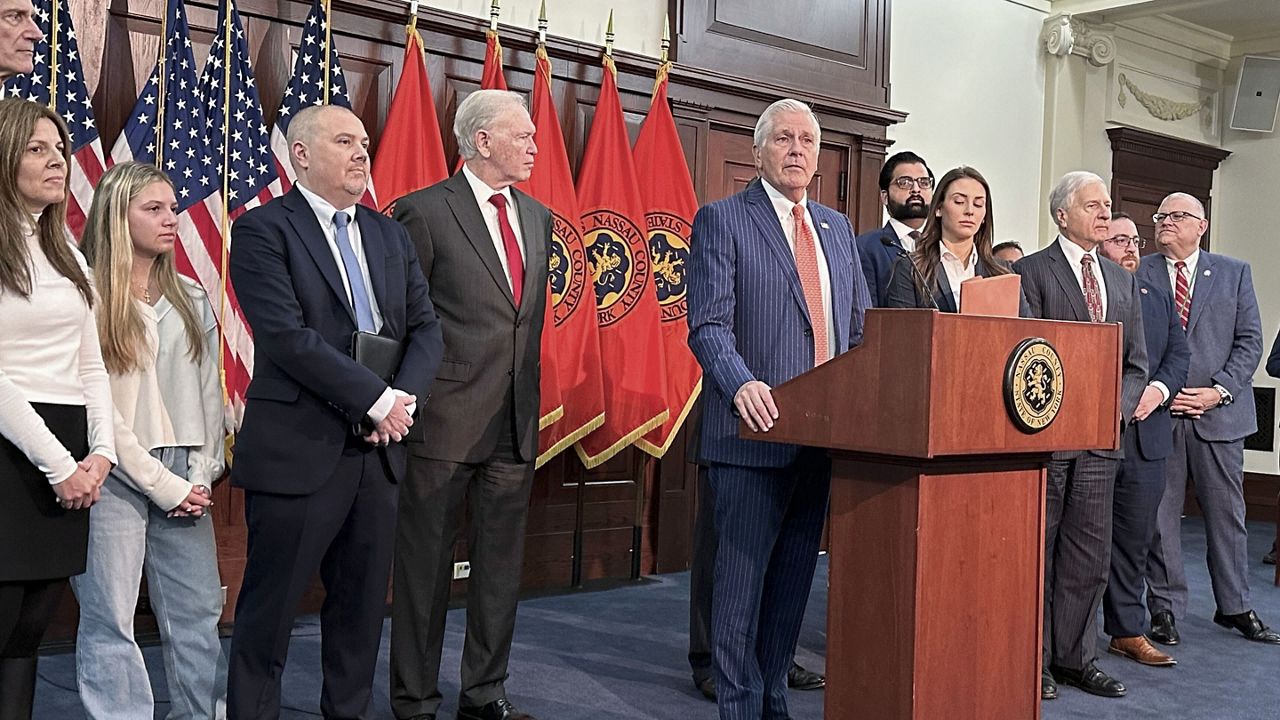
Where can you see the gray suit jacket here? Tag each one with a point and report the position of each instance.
(1053, 293)
(492, 349)
(1225, 335)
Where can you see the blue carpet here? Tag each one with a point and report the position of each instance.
(621, 654)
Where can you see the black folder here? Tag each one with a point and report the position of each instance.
(380, 354)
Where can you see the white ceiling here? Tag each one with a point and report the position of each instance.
(1243, 22)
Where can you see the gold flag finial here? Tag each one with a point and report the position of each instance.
(666, 36)
(542, 24)
(608, 36)
(494, 10)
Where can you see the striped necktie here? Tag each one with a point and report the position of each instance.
(1182, 293)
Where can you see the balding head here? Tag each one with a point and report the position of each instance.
(1181, 225)
(329, 151)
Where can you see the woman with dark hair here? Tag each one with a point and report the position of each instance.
(159, 343)
(56, 437)
(954, 246)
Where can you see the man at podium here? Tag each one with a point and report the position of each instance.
(775, 288)
(1068, 280)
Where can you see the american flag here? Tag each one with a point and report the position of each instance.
(58, 73)
(184, 149)
(246, 178)
(306, 87)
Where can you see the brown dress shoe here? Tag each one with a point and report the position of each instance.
(1141, 650)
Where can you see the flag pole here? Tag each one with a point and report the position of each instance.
(664, 62)
(494, 10)
(225, 279)
(542, 25)
(161, 89)
(53, 56)
(326, 6)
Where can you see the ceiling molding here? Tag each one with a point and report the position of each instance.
(1178, 38)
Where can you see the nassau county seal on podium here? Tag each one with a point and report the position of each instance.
(1033, 385)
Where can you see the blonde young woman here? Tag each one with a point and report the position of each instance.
(56, 440)
(159, 344)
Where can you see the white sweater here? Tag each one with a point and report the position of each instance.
(49, 353)
(171, 402)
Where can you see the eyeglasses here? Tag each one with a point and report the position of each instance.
(1176, 216)
(905, 183)
(1123, 241)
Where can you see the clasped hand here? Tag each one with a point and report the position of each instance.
(82, 488)
(395, 426)
(1193, 402)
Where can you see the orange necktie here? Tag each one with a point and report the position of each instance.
(810, 281)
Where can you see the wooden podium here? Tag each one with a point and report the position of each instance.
(937, 508)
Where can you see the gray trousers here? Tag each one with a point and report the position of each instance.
(1217, 469)
(1077, 556)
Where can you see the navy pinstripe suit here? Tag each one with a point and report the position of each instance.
(748, 321)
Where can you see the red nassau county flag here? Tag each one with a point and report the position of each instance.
(411, 154)
(669, 204)
(570, 337)
(626, 303)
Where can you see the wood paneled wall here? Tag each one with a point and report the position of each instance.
(732, 59)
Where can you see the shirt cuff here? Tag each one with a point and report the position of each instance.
(1164, 390)
(382, 407)
(412, 408)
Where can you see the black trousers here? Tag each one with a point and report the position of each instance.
(345, 530)
(1139, 487)
(431, 513)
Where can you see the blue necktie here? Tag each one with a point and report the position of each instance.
(359, 296)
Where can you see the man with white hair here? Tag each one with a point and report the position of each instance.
(775, 288)
(19, 36)
(1069, 280)
(483, 246)
(1214, 413)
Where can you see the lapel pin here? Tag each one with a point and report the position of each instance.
(1207, 273)
(824, 226)
(1143, 291)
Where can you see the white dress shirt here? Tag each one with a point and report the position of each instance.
(782, 206)
(903, 232)
(1075, 254)
(958, 270)
(325, 211)
(490, 212)
(1192, 261)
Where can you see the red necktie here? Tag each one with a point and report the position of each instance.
(1182, 293)
(811, 282)
(515, 264)
(1092, 293)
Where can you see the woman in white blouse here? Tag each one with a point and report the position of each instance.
(160, 343)
(954, 246)
(56, 440)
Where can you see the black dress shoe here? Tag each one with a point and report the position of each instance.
(1249, 625)
(500, 709)
(1091, 680)
(800, 679)
(1048, 688)
(1163, 629)
(706, 686)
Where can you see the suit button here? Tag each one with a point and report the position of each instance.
(808, 332)
(519, 323)
(511, 372)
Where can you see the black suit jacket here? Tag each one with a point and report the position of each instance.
(905, 293)
(1053, 293)
(492, 349)
(1169, 357)
(306, 391)
(1273, 360)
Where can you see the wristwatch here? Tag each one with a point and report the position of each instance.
(1226, 396)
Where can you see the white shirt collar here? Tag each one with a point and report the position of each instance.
(323, 209)
(902, 229)
(973, 257)
(1075, 253)
(481, 189)
(1191, 260)
(781, 202)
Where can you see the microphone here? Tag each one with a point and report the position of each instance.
(915, 272)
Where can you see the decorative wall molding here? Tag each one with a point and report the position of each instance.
(1160, 108)
(1064, 35)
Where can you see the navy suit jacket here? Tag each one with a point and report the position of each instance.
(747, 315)
(904, 293)
(877, 261)
(1273, 360)
(1168, 357)
(306, 391)
(1224, 332)
(1054, 293)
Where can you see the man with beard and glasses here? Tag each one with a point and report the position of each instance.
(906, 189)
(1147, 441)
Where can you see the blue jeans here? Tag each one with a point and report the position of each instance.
(127, 534)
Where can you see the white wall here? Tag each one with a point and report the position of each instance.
(637, 24)
(971, 75)
(1244, 196)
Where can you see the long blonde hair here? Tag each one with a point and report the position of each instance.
(18, 120)
(108, 248)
